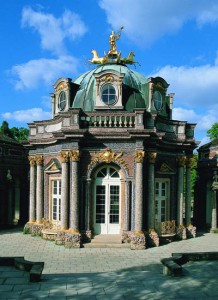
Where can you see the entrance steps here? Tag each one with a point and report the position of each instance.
(106, 241)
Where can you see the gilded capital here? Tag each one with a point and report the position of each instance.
(139, 156)
(32, 160)
(189, 162)
(64, 156)
(74, 155)
(181, 161)
(152, 157)
(39, 159)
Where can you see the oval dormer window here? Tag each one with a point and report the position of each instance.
(62, 100)
(158, 100)
(108, 94)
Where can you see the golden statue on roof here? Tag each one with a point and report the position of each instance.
(112, 41)
(112, 56)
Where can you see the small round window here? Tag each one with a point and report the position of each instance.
(62, 100)
(158, 101)
(108, 94)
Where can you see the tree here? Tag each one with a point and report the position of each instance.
(213, 131)
(16, 133)
(20, 133)
(4, 128)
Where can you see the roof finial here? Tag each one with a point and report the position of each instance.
(112, 53)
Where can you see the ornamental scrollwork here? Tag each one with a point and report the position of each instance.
(152, 157)
(181, 161)
(64, 156)
(74, 155)
(32, 160)
(39, 159)
(139, 156)
(107, 157)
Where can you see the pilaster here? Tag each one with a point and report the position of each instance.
(181, 160)
(39, 188)
(64, 189)
(32, 203)
(151, 197)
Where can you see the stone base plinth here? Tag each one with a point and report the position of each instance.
(33, 228)
(138, 241)
(152, 239)
(73, 240)
(60, 238)
(191, 231)
(126, 236)
(181, 233)
(86, 236)
(49, 234)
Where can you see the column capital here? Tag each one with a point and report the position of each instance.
(139, 156)
(39, 159)
(152, 157)
(189, 161)
(64, 156)
(32, 160)
(181, 160)
(74, 155)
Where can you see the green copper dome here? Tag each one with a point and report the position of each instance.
(134, 88)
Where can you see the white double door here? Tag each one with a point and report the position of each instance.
(107, 202)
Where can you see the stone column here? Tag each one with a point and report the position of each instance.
(189, 162)
(74, 197)
(64, 189)
(214, 212)
(151, 196)
(180, 187)
(39, 188)
(88, 202)
(139, 157)
(32, 208)
(127, 206)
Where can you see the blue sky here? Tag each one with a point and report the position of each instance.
(47, 39)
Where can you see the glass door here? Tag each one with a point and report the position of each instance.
(107, 202)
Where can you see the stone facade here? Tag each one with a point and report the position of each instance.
(14, 185)
(111, 160)
(206, 198)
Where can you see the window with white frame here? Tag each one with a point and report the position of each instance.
(56, 200)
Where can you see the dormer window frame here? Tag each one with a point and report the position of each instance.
(113, 81)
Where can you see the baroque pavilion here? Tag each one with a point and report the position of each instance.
(111, 161)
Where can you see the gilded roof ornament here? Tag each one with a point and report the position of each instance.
(112, 55)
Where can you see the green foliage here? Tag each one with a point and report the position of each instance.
(20, 134)
(26, 230)
(213, 131)
(16, 133)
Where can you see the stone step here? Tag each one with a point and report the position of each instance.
(107, 238)
(106, 241)
(105, 245)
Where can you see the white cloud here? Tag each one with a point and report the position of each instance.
(53, 31)
(194, 86)
(28, 115)
(146, 20)
(185, 115)
(45, 71)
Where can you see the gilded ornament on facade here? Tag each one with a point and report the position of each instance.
(139, 156)
(74, 155)
(64, 156)
(152, 157)
(181, 161)
(190, 162)
(39, 159)
(32, 160)
(61, 86)
(165, 168)
(108, 156)
(112, 55)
